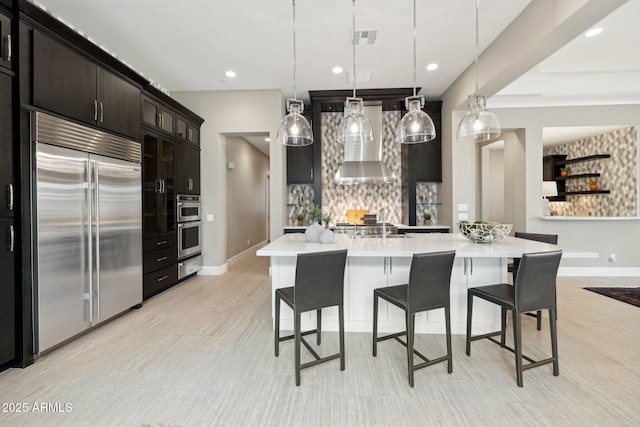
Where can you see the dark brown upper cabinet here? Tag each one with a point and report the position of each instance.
(6, 46)
(68, 83)
(187, 169)
(187, 131)
(157, 115)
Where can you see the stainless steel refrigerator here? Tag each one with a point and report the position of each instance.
(88, 208)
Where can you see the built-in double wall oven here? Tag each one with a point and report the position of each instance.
(189, 235)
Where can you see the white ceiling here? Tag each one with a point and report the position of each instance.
(189, 48)
(562, 135)
(188, 45)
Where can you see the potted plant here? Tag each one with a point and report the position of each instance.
(593, 185)
(316, 213)
(300, 218)
(564, 171)
(427, 218)
(327, 219)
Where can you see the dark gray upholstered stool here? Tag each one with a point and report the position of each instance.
(319, 283)
(534, 289)
(428, 289)
(513, 267)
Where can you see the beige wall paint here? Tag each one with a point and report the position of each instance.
(230, 113)
(246, 195)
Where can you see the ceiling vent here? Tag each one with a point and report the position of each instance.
(364, 37)
(362, 76)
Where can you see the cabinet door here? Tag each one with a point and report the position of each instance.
(300, 165)
(118, 104)
(7, 292)
(167, 120)
(181, 128)
(7, 188)
(193, 134)
(187, 169)
(168, 191)
(150, 186)
(365, 275)
(6, 51)
(149, 113)
(63, 81)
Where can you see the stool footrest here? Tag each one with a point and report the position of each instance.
(290, 337)
(536, 364)
(318, 361)
(430, 362)
(483, 336)
(390, 336)
(506, 347)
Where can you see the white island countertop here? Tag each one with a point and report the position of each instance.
(293, 244)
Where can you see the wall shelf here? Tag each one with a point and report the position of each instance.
(583, 159)
(576, 193)
(581, 175)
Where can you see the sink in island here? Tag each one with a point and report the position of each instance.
(374, 263)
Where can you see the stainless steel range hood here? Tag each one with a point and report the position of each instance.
(362, 162)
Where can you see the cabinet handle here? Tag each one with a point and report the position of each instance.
(12, 238)
(390, 265)
(164, 242)
(95, 110)
(164, 186)
(101, 112)
(161, 258)
(471, 270)
(10, 196)
(162, 120)
(465, 267)
(8, 48)
(190, 184)
(311, 173)
(163, 278)
(157, 185)
(384, 263)
(158, 119)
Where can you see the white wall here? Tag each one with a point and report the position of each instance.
(604, 236)
(228, 113)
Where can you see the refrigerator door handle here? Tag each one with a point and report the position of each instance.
(89, 232)
(96, 244)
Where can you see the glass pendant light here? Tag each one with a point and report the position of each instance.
(416, 126)
(479, 124)
(355, 127)
(294, 129)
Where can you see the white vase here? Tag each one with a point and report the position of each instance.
(313, 232)
(327, 236)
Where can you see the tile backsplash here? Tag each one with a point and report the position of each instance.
(374, 197)
(619, 174)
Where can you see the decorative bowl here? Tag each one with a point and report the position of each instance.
(484, 232)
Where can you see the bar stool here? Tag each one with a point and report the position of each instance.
(513, 266)
(428, 289)
(534, 289)
(319, 283)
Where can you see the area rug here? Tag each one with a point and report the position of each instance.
(628, 295)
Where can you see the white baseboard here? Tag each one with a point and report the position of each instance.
(213, 270)
(599, 271)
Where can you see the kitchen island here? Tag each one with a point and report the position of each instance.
(377, 262)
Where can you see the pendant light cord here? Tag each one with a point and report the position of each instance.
(294, 51)
(477, 7)
(414, 48)
(353, 42)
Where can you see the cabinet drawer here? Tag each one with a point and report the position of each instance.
(158, 243)
(159, 259)
(158, 281)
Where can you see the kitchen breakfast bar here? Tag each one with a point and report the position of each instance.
(376, 262)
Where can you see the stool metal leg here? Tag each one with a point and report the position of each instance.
(277, 326)
(554, 341)
(375, 324)
(503, 335)
(297, 336)
(410, 321)
(539, 320)
(447, 319)
(469, 314)
(341, 327)
(517, 339)
(319, 325)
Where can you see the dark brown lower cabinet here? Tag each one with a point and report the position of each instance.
(7, 293)
(159, 263)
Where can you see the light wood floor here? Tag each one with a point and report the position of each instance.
(201, 354)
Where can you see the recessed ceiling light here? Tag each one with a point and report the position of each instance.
(230, 74)
(337, 70)
(593, 32)
(432, 66)
(267, 139)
